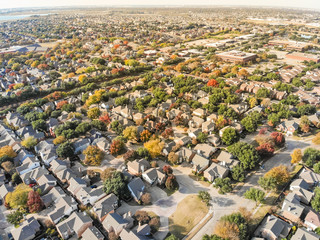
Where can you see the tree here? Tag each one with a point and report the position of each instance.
(275, 178)
(227, 230)
(116, 146)
(238, 173)
(154, 147)
(202, 137)
(278, 138)
(167, 169)
(315, 203)
(83, 128)
(296, 156)
(204, 196)
(171, 182)
(107, 173)
(29, 142)
(34, 202)
(105, 118)
(249, 124)
(130, 133)
(316, 139)
(7, 151)
(311, 156)
(40, 125)
(93, 113)
(146, 198)
(143, 153)
(255, 195)
(172, 237)
(145, 135)
(58, 140)
(7, 166)
(173, 158)
(212, 83)
(65, 150)
(265, 149)
(19, 197)
(253, 102)
(116, 185)
(94, 155)
(243, 73)
(304, 124)
(117, 127)
(230, 136)
(224, 185)
(246, 153)
(167, 133)
(15, 217)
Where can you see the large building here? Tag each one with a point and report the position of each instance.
(237, 56)
(290, 45)
(303, 57)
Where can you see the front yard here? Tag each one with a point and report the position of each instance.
(189, 213)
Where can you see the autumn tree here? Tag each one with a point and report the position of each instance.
(212, 83)
(253, 102)
(146, 198)
(93, 113)
(296, 156)
(34, 203)
(275, 178)
(265, 149)
(58, 140)
(105, 118)
(130, 133)
(107, 173)
(29, 142)
(243, 73)
(116, 146)
(278, 138)
(171, 182)
(94, 155)
(154, 147)
(8, 166)
(173, 158)
(304, 124)
(167, 169)
(145, 135)
(316, 139)
(167, 133)
(19, 197)
(7, 151)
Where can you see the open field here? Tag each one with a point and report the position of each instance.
(189, 212)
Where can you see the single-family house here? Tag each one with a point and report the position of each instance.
(105, 206)
(185, 154)
(154, 175)
(215, 171)
(114, 222)
(303, 234)
(27, 231)
(136, 188)
(92, 233)
(63, 207)
(274, 228)
(312, 220)
(137, 167)
(199, 163)
(204, 150)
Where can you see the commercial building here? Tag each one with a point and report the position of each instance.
(237, 56)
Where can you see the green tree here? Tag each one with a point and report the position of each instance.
(205, 197)
(116, 185)
(246, 153)
(230, 136)
(39, 125)
(224, 185)
(15, 217)
(202, 137)
(238, 173)
(315, 202)
(65, 150)
(311, 156)
(255, 195)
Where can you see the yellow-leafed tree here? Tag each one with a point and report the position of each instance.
(280, 174)
(130, 133)
(7, 151)
(19, 197)
(296, 156)
(154, 147)
(94, 155)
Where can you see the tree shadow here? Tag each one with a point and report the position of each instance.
(223, 201)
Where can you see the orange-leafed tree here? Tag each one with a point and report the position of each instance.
(105, 118)
(212, 83)
(34, 203)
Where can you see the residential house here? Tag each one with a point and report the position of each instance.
(4, 190)
(312, 220)
(215, 171)
(291, 208)
(77, 223)
(92, 233)
(312, 178)
(27, 231)
(196, 122)
(185, 154)
(46, 183)
(105, 206)
(34, 175)
(183, 140)
(114, 222)
(88, 195)
(63, 207)
(57, 165)
(28, 165)
(214, 140)
(154, 175)
(137, 167)
(274, 228)
(168, 147)
(131, 235)
(204, 150)
(199, 163)
(303, 234)
(208, 126)
(288, 127)
(65, 175)
(75, 184)
(136, 188)
(227, 160)
(81, 144)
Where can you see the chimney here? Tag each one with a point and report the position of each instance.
(289, 208)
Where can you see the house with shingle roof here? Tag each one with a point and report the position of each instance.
(215, 171)
(92, 233)
(274, 228)
(154, 175)
(27, 230)
(136, 188)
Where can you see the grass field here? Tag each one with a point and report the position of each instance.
(189, 213)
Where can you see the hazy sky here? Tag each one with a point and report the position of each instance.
(313, 4)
